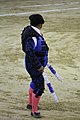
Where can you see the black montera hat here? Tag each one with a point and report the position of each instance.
(36, 19)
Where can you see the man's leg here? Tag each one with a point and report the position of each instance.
(29, 106)
(35, 102)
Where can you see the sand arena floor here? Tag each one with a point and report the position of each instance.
(62, 33)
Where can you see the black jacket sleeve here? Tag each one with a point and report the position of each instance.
(29, 50)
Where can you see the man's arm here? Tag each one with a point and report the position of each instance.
(29, 50)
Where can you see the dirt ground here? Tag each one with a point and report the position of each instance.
(62, 33)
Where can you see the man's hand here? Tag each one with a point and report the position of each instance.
(41, 69)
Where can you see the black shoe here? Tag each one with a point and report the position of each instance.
(36, 115)
(29, 106)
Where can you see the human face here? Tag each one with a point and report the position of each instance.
(39, 26)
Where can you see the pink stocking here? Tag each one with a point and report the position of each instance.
(30, 95)
(35, 101)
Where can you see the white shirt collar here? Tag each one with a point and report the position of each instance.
(36, 29)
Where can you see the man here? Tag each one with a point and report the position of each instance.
(36, 58)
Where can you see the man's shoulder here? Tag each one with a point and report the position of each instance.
(29, 31)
